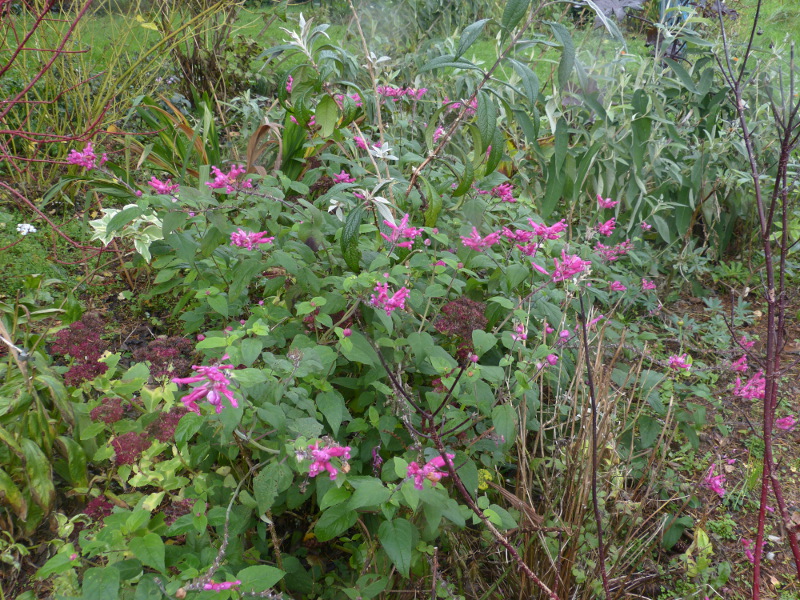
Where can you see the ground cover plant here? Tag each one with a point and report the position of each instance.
(415, 324)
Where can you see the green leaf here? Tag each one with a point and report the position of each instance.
(359, 350)
(561, 143)
(649, 430)
(469, 35)
(513, 13)
(259, 578)
(334, 522)
(486, 119)
(554, 189)
(123, 217)
(10, 495)
(349, 241)
(332, 407)
(76, 461)
(333, 497)
(219, 303)
(150, 550)
(56, 564)
(467, 177)
(682, 74)
(434, 207)
(101, 582)
(189, 424)
(369, 492)
(675, 529)
(40, 475)
(397, 539)
(496, 153)
(327, 115)
(504, 418)
(567, 62)
(528, 80)
(250, 350)
(483, 341)
(271, 481)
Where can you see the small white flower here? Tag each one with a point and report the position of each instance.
(336, 208)
(25, 228)
(382, 151)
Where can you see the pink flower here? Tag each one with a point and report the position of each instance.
(607, 228)
(289, 83)
(740, 365)
(548, 329)
(749, 549)
(754, 389)
(431, 471)
(564, 334)
(215, 386)
(607, 203)
(86, 158)
(476, 242)
(402, 231)
(225, 585)
(552, 359)
(679, 362)
(504, 192)
(163, 187)
(648, 285)
(322, 456)
(360, 142)
(247, 239)
(389, 303)
(540, 268)
(745, 344)
(437, 135)
(612, 253)
(228, 180)
(618, 287)
(645, 226)
(521, 333)
(347, 332)
(570, 265)
(786, 423)
(713, 482)
(397, 93)
(343, 177)
(549, 233)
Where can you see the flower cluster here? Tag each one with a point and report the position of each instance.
(437, 135)
(389, 303)
(647, 285)
(321, 459)
(397, 94)
(343, 177)
(401, 231)
(753, 389)
(289, 82)
(617, 286)
(248, 239)
(713, 482)
(25, 228)
(360, 142)
(569, 266)
(504, 192)
(219, 587)
(163, 428)
(430, 471)
(109, 411)
(168, 356)
(86, 158)
(677, 362)
(81, 340)
(740, 365)
(786, 423)
(214, 387)
(607, 203)
(129, 447)
(166, 188)
(339, 98)
(612, 253)
(476, 242)
(607, 228)
(749, 548)
(229, 180)
(520, 333)
(455, 106)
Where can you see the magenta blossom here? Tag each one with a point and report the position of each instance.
(504, 192)
(360, 142)
(402, 231)
(343, 177)
(248, 239)
(648, 285)
(569, 266)
(476, 242)
(713, 482)
(754, 389)
(229, 180)
(163, 187)
(437, 135)
(431, 471)
(389, 303)
(215, 386)
(607, 203)
(740, 365)
(749, 548)
(677, 362)
(745, 344)
(786, 423)
(607, 228)
(612, 253)
(617, 286)
(86, 158)
(549, 233)
(552, 359)
(225, 585)
(645, 226)
(289, 83)
(520, 333)
(322, 456)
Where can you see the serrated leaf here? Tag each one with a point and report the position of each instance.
(397, 539)
(486, 120)
(528, 80)
(271, 481)
(259, 578)
(150, 550)
(334, 522)
(513, 13)
(483, 341)
(101, 582)
(349, 241)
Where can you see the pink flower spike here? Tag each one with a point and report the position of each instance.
(740, 365)
(289, 83)
(437, 135)
(786, 423)
(322, 456)
(607, 203)
(539, 268)
(745, 344)
(645, 226)
(607, 228)
(754, 389)
(549, 233)
(389, 303)
(219, 587)
(229, 180)
(504, 192)
(648, 285)
(521, 333)
(246, 239)
(86, 158)
(360, 142)
(548, 329)
(713, 482)
(564, 334)
(343, 177)
(617, 286)
(677, 362)
(402, 235)
(165, 188)
(569, 266)
(478, 243)
(430, 471)
(214, 387)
